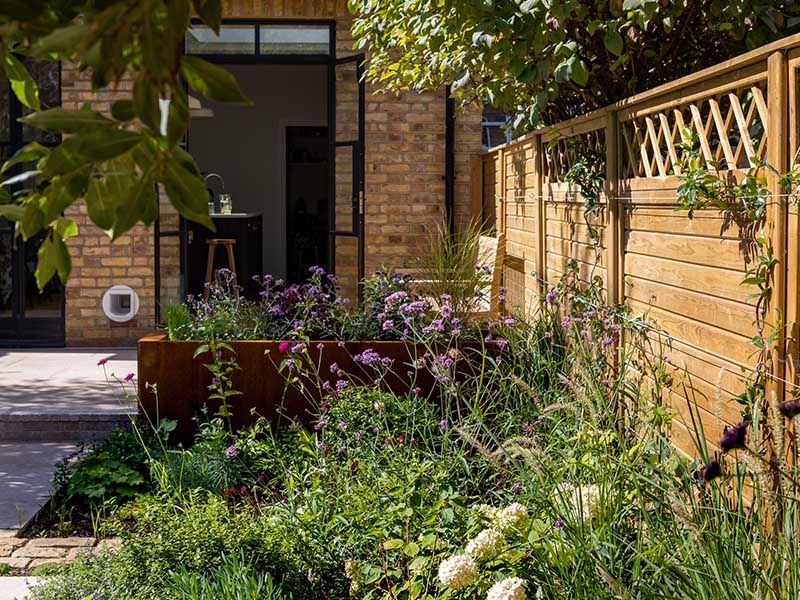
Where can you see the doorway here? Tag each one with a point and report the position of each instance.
(292, 164)
(28, 317)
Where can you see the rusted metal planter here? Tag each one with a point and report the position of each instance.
(174, 385)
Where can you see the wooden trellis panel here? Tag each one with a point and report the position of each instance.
(683, 274)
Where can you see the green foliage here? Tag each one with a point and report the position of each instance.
(176, 320)
(5, 570)
(113, 164)
(554, 60)
(98, 476)
(235, 579)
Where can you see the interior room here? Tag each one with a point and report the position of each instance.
(268, 165)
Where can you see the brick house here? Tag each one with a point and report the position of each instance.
(321, 170)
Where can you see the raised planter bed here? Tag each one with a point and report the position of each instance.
(182, 381)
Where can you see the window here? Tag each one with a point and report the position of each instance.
(261, 39)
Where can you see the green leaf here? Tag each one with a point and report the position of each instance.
(63, 41)
(580, 73)
(393, 544)
(210, 11)
(32, 221)
(22, 83)
(145, 102)
(65, 228)
(12, 212)
(212, 81)
(61, 120)
(123, 110)
(187, 192)
(411, 549)
(632, 4)
(53, 257)
(613, 41)
(100, 204)
(141, 204)
(28, 153)
(105, 143)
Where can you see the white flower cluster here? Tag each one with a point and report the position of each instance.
(583, 500)
(457, 571)
(486, 545)
(512, 588)
(512, 519)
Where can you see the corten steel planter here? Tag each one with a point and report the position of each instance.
(182, 381)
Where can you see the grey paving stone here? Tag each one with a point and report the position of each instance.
(65, 542)
(16, 587)
(35, 552)
(15, 562)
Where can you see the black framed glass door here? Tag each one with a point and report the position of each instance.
(28, 317)
(346, 213)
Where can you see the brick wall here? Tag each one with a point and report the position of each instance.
(405, 158)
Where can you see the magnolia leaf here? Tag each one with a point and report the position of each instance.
(123, 110)
(32, 221)
(100, 204)
(65, 228)
(12, 212)
(140, 204)
(105, 143)
(212, 81)
(145, 102)
(210, 11)
(580, 73)
(53, 257)
(21, 178)
(61, 120)
(63, 41)
(28, 153)
(22, 83)
(187, 192)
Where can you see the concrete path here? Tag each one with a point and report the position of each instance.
(16, 588)
(65, 381)
(26, 471)
(50, 401)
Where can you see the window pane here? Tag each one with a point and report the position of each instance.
(6, 246)
(295, 39)
(47, 75)
(232, 39)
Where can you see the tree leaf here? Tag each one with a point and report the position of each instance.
(212, 81)
(63, 41)
(12, 212)
(65, 228)
(23, 85)
(187, 192)
(580, 73)
(28, 153)
(100, 204)
(141, 204)
(53, 257)
(613, 41)
(145, 102)
(106, 143)
(61, 120)
(210, 11)
(123, 110)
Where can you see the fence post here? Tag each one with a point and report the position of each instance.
(613, 229)
(500, 202)
(541, 228)
(777, 150)
(476, 190)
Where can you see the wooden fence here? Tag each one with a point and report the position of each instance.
(685, 274)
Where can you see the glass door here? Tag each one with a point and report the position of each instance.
(346, 212)
(28, 317)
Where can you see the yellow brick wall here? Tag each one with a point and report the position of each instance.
(405, 159)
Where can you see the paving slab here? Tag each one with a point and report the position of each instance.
(66, 381)
(16, 588)
(26, 471)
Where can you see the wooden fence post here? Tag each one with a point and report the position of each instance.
(500, 203)
(476, 191)
(541, 227)
(613, 228)
(777, 151)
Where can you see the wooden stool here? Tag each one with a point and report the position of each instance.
(212, 251)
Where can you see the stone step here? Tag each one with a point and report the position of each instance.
(60, 427)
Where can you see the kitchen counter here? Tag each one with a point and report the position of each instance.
(235, 215)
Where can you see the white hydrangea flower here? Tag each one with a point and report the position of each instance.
(486, 545)
(457, 571)
(512, 588)
(583, 500)
(513, 517)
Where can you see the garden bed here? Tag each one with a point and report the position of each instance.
(173, 383)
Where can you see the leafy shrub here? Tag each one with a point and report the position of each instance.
(5, 570)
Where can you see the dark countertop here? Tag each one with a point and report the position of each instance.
(235, 215)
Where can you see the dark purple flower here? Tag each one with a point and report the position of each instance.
(516, 488)
(733, 438)
(231, 452)
(558, 524)
(789, 408)
(443, 425)
(711, 470)
(550, 297)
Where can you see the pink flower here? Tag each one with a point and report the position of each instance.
(400, 438)
(283, 346)
(101, 362)
(129, 377)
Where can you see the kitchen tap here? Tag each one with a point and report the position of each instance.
(212, 198)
